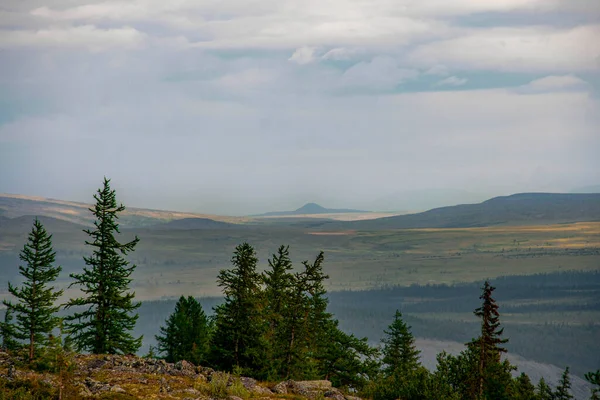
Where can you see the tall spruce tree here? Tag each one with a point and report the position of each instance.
(293, 330)
(238, 338)
(400, 355)
(104, 326)
(279, 284)
(35, 310)
(488, 344)
(563, 390)
(186, 335)
(403, 376)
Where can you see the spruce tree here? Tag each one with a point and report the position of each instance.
(523, 389)
(594, 379)
(186, 334)
(238, 338)
(403, 377)
(343, 359)
(279, 284)
(8, 332)
(400, 354)
(488, 344)
(543, 391)
(104, 326)
(292, 334)
(563, 390)
(35, 310)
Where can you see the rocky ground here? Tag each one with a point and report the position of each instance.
(131, 377)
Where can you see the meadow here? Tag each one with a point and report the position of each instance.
(174, 262)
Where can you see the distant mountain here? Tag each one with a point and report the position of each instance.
(193, 224)
(425, 199)
(310, 209)
(524, 208)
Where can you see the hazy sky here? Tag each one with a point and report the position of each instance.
(245, 106)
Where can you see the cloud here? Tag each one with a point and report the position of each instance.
(341, 54)
(381, 73)
(303, 55)
(452, 81)
(554, 83)
(516, 49)
(440, 70)
(212, 92)
(85, 36)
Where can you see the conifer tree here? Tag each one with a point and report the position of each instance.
(543, 391)
(293, 331)
(523, 389)
(594, 379)
(343, 359)
(238, 337)
(403, 377)
(563, 390)
(400, 354)
(35, 310)
(104, 326)
(186, 334)
(488, 344)
(279, 284)
(8, 332)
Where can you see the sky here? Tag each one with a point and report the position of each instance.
(248, 106)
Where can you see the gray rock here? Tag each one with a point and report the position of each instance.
(335, 395)
(117, 389)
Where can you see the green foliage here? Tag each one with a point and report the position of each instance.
(239, 328)
(522, 388)
(543, 391)
(35, 310)
(493, 378)
(221, 385)
(402, 375)
(345, 360)
(103, 327)
(186, 335)
(218, 385)
(8, 332)
(400, 354)
(279, 283)
(563, 390)
(24, 389)
(442, 383)
(594, 379)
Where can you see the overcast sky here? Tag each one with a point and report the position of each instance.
(246, 106)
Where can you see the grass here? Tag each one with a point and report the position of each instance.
(171, 263)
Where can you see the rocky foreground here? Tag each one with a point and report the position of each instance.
(131, 377)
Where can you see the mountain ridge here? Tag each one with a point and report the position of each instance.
(519, 208)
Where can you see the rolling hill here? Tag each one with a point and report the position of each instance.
(24, 223)
(193, 224)
(517, 209)
(12, 206)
